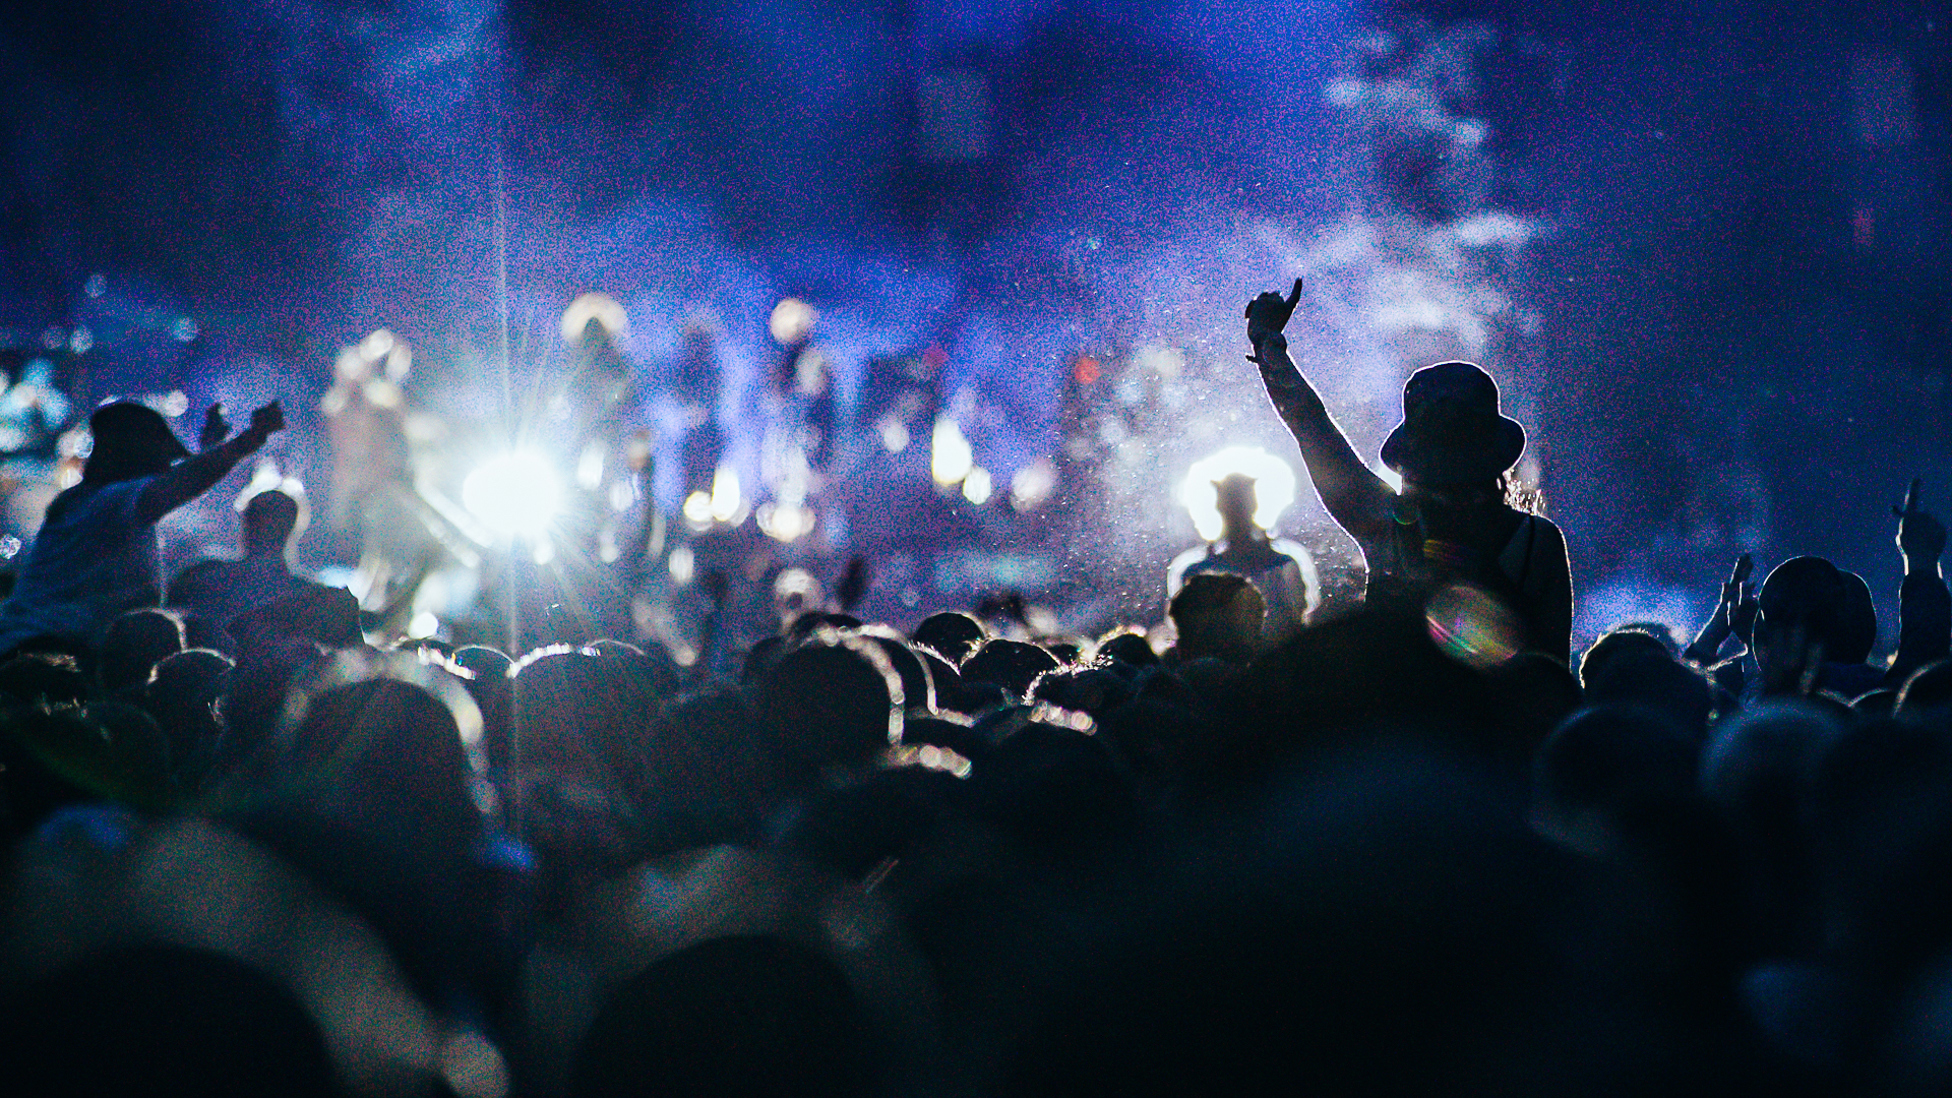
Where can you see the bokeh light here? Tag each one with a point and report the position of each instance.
(1472, 626)
(950, 455)
(791, 321)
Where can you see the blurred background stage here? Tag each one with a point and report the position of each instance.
(737, 291)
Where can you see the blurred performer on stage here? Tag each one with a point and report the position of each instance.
(1283, 570)
(609, 441)
(799, 445)
(373, 502)
(694, 386)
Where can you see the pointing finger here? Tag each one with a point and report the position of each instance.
(1294, 296)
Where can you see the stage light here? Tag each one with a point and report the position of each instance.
(976, 487)
(724, 505)
(698, 509)
(728, 506)
(517, 493)
(1274, 487)
(423, 624)
(950, 456)
(791, 321)
(600, 307)
(1033, 484)
(785, 521)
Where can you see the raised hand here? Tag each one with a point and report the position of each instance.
(1921, 536)
(1269, 313)
(1734, 614)
(1738, 603)
(215, 428)
(264, 421)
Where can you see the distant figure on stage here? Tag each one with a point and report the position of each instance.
(96, 555)
(1451, 522)
(1282, 570)
(606, 434)
(372, 462)
(694, 383)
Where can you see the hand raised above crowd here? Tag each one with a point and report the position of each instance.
(264, 422)
(1268, 314)
(1921, 536)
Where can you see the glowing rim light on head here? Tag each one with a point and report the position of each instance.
(596, 305)
(1274, 487)
(517, 493)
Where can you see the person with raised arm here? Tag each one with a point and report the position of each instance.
(1451, 522)
(1812, 626)
(96, 555)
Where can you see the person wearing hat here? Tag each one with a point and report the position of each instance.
(1451, 522)
(96, 554)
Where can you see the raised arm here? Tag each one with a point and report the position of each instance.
(1357, 499)
(1924, 605)
(193, 476)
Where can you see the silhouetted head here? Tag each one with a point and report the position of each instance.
(1759, 770)
(1235, 499)
(747, 1016)
(952, 634)
(1668, 686)
(135, 642)
(130, 440)
(1620, 642)
(494, 696)
(831, 704)
(1929, 688)
(1602, 765)
(38, 678)
(1217, 615)
(1452, 432)
(182, 695)
(393, 749)
(582, 716)
(917, 685)
(1125, 649)
(1857, 622)
(159, 1019)
(1013, 665)
(271, 521)
(1806, 593)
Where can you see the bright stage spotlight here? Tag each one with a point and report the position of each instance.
(1274, 487)
(597, 306)
(517, 493)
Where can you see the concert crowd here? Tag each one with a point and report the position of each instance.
(1406, 841)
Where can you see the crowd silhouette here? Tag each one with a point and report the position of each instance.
(1409, 845)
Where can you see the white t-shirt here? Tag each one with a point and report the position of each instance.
(91, 561)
